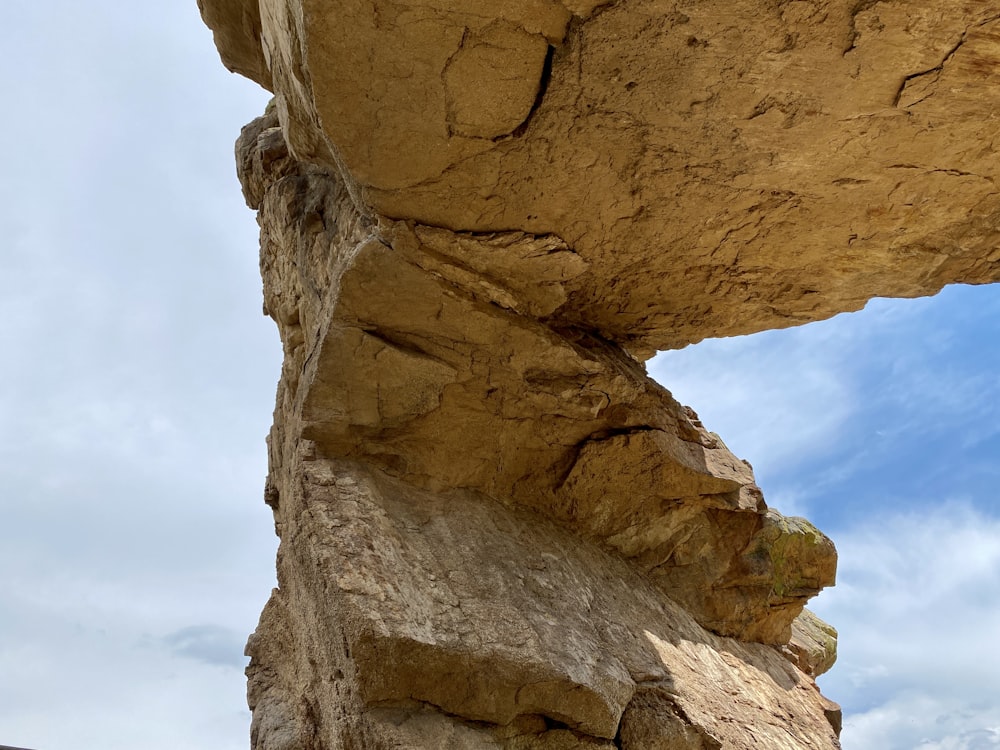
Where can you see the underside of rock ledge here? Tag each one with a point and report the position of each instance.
(476, 220)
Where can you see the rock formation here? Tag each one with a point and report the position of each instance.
(477, 220)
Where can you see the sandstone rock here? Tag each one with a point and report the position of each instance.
(449, 620)
(813, 645)
(721, 168)
(452, 388)
(497, 532)
(236, 27)
(476, 220)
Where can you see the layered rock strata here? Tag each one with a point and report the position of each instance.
(497, 532)
(476, 221)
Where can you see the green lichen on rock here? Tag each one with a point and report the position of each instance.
(792, 556)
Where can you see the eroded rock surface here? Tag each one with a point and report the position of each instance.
(418, 616)
(498, 532)
(476, 220)
(721, 167)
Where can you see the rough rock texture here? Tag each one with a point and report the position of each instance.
(476, 220)
(496, 532)
(719, 167)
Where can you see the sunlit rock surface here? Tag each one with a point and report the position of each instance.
(477, 219)
(720, 168)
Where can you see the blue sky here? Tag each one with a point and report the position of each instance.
(883, 428)
(876, 408)
(139, 381)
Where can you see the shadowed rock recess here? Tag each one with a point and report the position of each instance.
(478, 219)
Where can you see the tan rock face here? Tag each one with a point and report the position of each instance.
(720, 167)
(448, 620)
(424, 367)
(497, 532)
(476, 220)
(237, 29)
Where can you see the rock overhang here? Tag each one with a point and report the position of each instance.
(721, 168)
(477, 220)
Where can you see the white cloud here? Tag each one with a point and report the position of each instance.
(813, 407)
(779, 396)
(916, 607)
(136, 385)
(210, 644)
(917, 720)
(115, 689)
(769, 397)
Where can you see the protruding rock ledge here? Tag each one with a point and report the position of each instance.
(720, 168)
(448, 388)
(498, 531)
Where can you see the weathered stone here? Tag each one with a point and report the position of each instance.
(537, 475)
(813, 645)
(236, 26)
(653, 721)
(403, 603)
(721, 168)
(452, 388)
(477, 219)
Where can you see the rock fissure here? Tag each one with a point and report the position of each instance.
(543, 85)
(929, 72)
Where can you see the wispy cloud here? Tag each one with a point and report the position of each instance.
(917, 720)
(818, 410)
(210, 644)
(778, 394)
(916, 607)
(108, 687)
